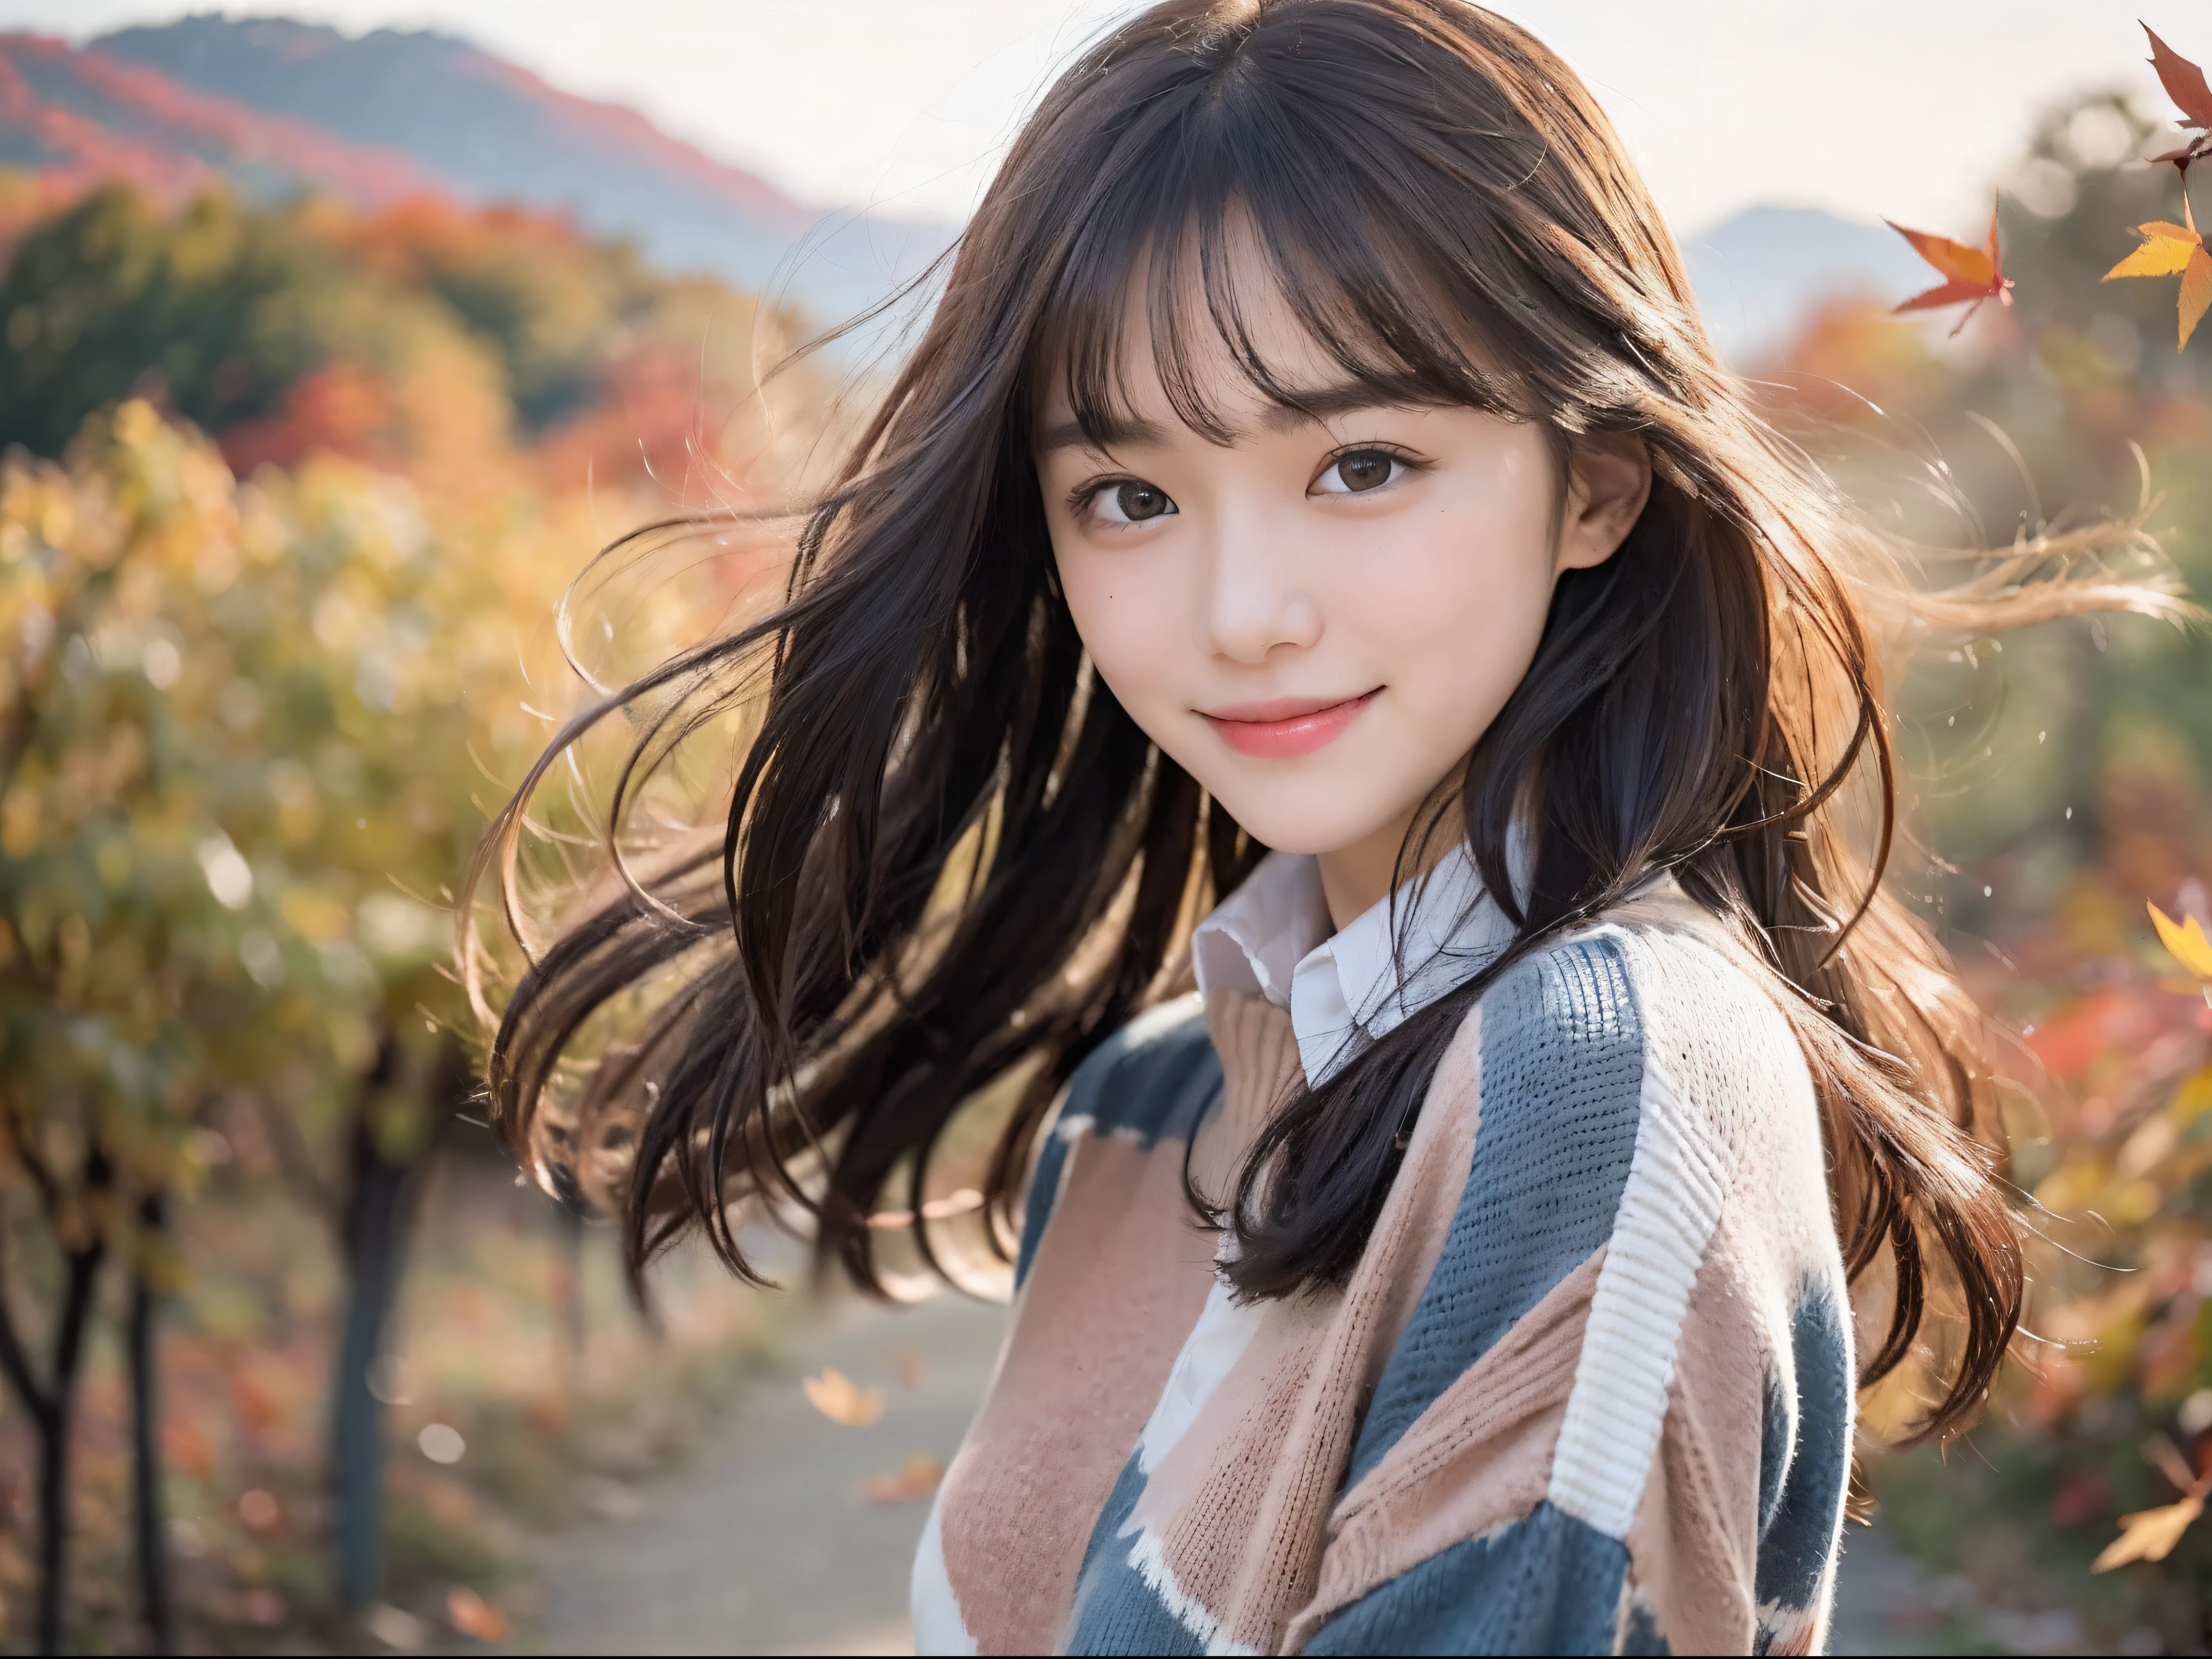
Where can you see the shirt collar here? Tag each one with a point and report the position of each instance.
(1271, 938)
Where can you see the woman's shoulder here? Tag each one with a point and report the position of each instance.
(1652, 1031)
(1657, 984)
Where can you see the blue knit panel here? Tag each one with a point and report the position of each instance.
(1642, 1634)
(1778, 1439)
(1794, 1546)
(1115, 1610)
(1156, 1077)
(1562, 1092)
(1547, 1584)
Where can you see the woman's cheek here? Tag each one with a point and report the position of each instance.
(1125, 625)
(1458, 627)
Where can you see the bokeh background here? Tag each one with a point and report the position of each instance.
(333, 340)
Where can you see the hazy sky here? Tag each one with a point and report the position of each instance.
(1903, 108)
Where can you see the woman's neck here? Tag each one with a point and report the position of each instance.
(1354, 879)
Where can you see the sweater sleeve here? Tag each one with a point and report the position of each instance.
(1618, 1419)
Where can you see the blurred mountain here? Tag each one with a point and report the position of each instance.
(278, 107)
(87, 117)
(1759, 275)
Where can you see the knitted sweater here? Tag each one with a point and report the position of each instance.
(1589, 1389)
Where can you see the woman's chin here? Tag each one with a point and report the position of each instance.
(1318, 824)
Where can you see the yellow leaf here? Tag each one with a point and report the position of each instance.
(2149, 1535)
(2196, 293)
(2165, 252)
(832, 1394)
(2186, 945)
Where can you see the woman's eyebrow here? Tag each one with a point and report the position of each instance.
(1294, 408)
(1112, 433)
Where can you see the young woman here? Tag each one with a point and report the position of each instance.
(1316, 697)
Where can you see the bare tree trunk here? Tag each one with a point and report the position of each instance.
(149, 1513)
(379, 1213)
(375, 1238)
(56, 1425)
(52, 1407)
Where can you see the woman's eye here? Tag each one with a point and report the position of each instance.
(1362, 470)
(1132, 502)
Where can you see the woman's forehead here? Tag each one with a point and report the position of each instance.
(1227, 356)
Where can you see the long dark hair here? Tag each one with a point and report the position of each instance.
(953, 865)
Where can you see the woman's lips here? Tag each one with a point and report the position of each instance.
(1287, 727)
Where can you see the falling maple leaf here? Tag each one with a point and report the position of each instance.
(2185, 84)
(834, 1395)
(2184, 942)
(1971, 275)
(2170, 250)
(916, 1481)
(2149, 1535)
(472, 1616)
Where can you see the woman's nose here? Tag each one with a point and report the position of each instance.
(1254, 605)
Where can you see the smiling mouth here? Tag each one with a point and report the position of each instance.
(1287, 727)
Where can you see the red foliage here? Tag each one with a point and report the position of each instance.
(648, 425)
(413, 238)
(343, 409)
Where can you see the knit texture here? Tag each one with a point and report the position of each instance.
(1588, 1388)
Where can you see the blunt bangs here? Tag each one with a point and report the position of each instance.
(1288, 169)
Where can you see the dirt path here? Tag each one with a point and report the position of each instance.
(771, 1545)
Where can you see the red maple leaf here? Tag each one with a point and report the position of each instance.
(1971, 275)
(2185, 84)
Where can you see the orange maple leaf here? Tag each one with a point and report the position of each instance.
(917, 1480)
(472, 1616)
(1971, 275)
(2171, 250)
(2151, 1534)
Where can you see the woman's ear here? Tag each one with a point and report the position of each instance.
(1608, 482)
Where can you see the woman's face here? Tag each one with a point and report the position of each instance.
(1318, 619)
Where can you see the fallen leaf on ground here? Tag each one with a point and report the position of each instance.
(470, 1615)
(2149, 1535)
(395, 1627)
(916, 1481)
(1971, 275)
(832, 1394)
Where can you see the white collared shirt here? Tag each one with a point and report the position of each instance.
(1271, 938)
